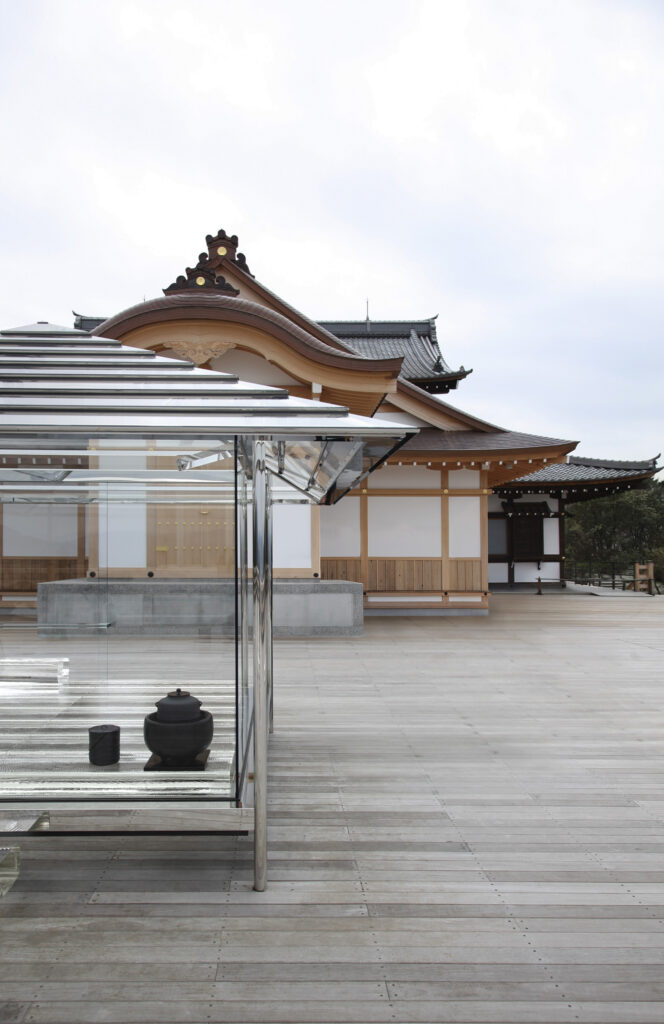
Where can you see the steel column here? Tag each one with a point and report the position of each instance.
(262, 654)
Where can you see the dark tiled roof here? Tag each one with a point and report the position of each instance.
(645, 465)
(476, 440)
(414, 340)
(87, 323)
(578, 470)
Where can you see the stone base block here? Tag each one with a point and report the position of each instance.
(86, 607)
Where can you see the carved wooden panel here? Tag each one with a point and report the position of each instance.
(465, 574)
(23, 574)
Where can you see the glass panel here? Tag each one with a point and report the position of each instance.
(118, 588)
(323, 469)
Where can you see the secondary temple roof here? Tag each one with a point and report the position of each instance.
(414, 340)
(579, 477)
(474, 440)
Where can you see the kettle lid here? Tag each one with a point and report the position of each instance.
(178, 706)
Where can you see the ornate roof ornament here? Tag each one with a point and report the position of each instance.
(201, 276)
(224, 247)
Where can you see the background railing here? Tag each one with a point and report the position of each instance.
(616, 575)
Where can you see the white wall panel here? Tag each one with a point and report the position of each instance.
(527, 572)
(250, 366)
(404, 527)
(291, 539)
(551, 537)
(340, 529)
(465, 527)
(498, 572)
(417, 477)
(122, 536)
(458, 479)
(34, 531)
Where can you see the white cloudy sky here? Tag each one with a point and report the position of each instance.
(498, 162)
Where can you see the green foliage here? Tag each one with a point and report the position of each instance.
(623, 528)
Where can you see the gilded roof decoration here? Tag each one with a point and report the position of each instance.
(201, 277)
(224, 247)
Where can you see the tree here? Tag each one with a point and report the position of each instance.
(624, 528)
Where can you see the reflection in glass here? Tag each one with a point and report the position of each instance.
(119, 570)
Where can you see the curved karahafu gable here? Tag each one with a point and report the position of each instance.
(204, 325)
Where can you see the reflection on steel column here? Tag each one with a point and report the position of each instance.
(262, 657)
(268, 605)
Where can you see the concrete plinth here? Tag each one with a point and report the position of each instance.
(169, 607)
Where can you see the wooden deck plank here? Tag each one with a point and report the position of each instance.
(466, 825)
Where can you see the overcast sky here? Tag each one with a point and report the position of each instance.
(495, 162)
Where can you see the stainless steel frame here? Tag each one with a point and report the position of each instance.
(262, 530)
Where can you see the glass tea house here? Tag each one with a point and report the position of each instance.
(135, 610)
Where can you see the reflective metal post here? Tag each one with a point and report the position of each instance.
(268, 609)
(262, 659)
(242, 710)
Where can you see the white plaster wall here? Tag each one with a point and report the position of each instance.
(465, 527)
(127, 460)
(122, 527)
(404, 527)
(551, 537)
(527, 572)
(498, 572)
(394, 477)
(291, 538)
(458, 479)
(396, 416)
(122, 535)
(251, 367)
(33, 531)
(340, 529)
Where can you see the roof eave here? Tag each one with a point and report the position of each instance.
(210, 306)
(472, 422)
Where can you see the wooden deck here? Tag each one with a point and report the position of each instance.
(467, 824)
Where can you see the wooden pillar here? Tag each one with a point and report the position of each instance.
(561, 539)
(364, 540)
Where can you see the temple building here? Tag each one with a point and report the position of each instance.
(415, 532)
(527, 515)
(184, 479)
(462, 506)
